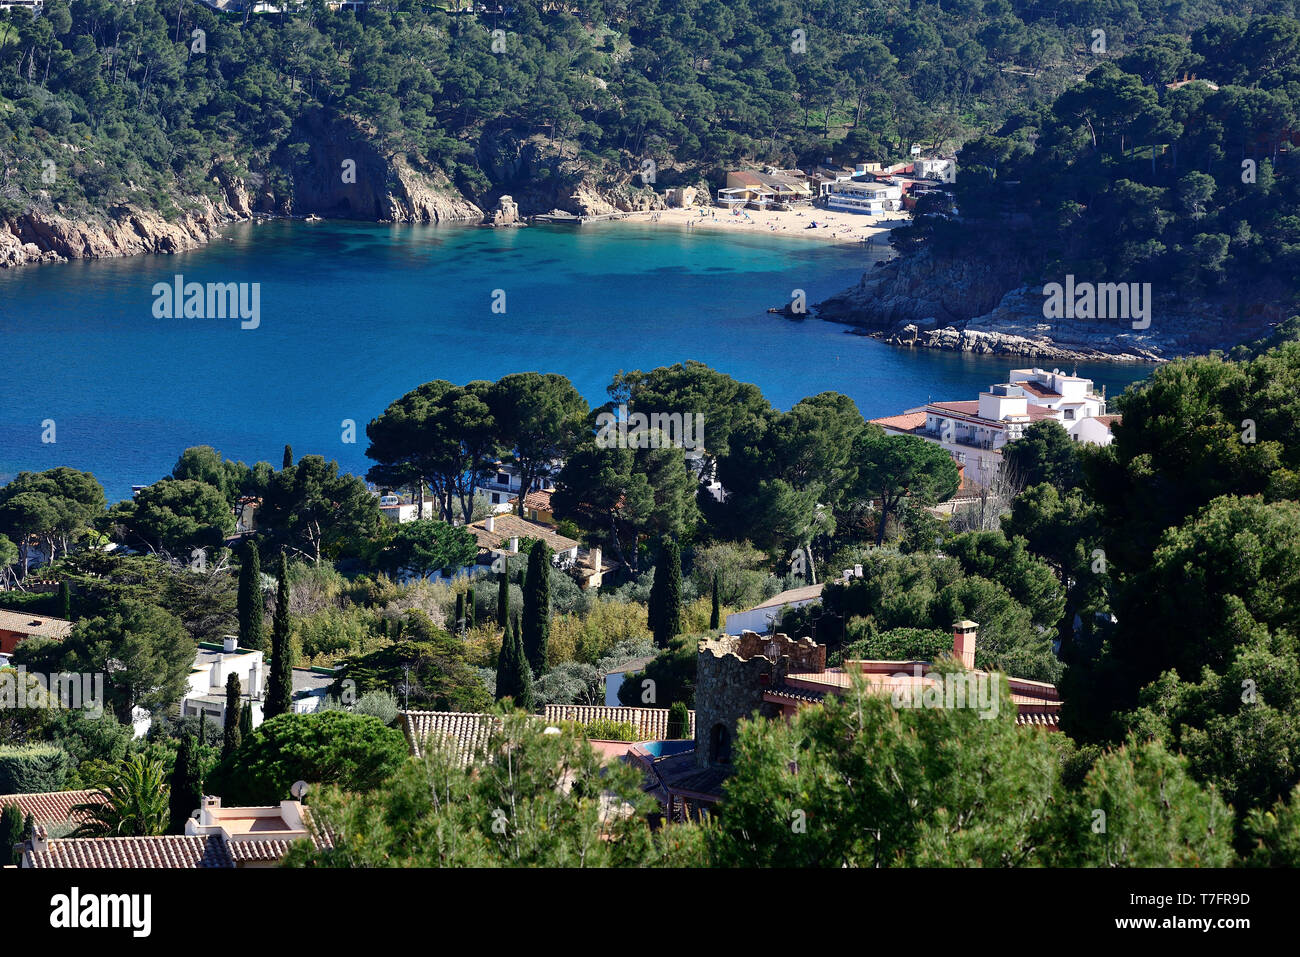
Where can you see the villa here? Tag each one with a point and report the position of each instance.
(16, 626)
(975, 432)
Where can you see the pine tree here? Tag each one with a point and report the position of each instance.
(460, 612)
(503, 599)
(186, 785)
(234, 694)
(665, 611)
(715, 617)
(537, 607)
(287, 462)
(469, 607)
(65, 601)
(252, 627)
(245, 722)
(279, 684)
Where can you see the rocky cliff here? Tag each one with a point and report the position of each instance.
(331, 167)
(543, 176)
(338, 172)
(50, 235)
(922, 300)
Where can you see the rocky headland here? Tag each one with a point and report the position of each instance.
(963, 305)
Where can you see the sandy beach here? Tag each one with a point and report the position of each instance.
(832, 225)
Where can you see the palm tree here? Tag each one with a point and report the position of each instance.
(135, 802)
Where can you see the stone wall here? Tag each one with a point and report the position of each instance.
(732, 672)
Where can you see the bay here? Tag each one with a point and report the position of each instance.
(354, 315)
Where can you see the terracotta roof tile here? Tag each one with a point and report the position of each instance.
(466, 730)
(51, 807)
(34, 626)
(170, 852)
(651, 723)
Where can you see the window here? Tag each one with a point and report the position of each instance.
(503, 478)
(496, 498)
(1069, 413)
(720, 744)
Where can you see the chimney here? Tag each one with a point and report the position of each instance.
(216, 671)
(963, 642)
(40, 841)
(207, 805)
(514, 544)
(254, 678)
(229, 644)
(490, 523)
(596, 559)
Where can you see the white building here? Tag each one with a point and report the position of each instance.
(213, 665)
(503, 486)
(870, 198)
(399, 512)
(941, 168)
(765, 617)
(975, 432)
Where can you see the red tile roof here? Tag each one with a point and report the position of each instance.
(34, 626)
(907, 422)
(52, 807)
(651, 723)
(539, 499)
(170, 852)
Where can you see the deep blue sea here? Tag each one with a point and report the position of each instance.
(352, 316)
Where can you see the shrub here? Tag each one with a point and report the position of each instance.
(32, 768)
(355, 751)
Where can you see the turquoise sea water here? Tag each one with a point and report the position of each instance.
(352, 316)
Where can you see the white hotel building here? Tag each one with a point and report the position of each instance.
(974, 432)
(870, 198)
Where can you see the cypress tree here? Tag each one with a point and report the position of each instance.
(203, 725)
(460, 612)
(231, 739)
(11, 832)
(287, 462)
(252, 627)
(537, 607)
(679, 720)
(523, 674)
(279, 684)
(245, 722)
(65, 601)
(504, 672)
(665, 611)
(469, 607)
(186, 785)
(503, 599)
(715, 617)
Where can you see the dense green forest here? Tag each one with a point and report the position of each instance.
(104, 103)
(1135, 175)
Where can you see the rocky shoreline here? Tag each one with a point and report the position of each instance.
(347, 178)
(981, 307)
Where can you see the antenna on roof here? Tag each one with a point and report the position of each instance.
(298, 790)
